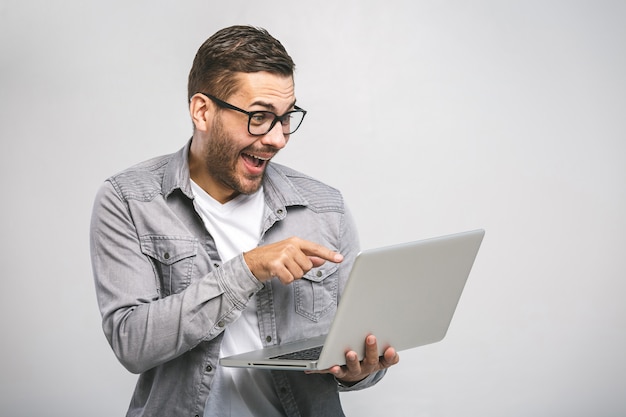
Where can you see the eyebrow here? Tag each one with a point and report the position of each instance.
(270, 106)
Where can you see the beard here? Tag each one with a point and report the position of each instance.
(222, 159)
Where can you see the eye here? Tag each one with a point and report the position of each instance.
(286, 119)
(260, 118)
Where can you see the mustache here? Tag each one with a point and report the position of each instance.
(266, 149)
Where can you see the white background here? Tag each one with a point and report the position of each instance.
(432, 116)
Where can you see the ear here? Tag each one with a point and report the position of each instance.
(200, 110)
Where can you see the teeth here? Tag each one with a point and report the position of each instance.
(258, 157)
(256, 160)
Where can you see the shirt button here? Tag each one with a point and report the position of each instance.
(268, 339)
(208, 368)
(166, 255)
(279, 211)
(319, 274)
(220, 323)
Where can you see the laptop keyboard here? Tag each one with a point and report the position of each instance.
(306, 354)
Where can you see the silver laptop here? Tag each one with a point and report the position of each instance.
(404, 294)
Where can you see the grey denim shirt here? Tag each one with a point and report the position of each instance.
(165, 296)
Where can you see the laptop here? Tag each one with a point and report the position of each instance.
(404, 294)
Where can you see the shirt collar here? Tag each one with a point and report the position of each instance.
(176, 174)
(280, 190)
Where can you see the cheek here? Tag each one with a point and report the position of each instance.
(230, 139)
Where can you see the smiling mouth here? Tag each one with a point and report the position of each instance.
(255, 161)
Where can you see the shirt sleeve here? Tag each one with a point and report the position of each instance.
(370, 380)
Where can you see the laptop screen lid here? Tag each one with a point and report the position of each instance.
(404, 294)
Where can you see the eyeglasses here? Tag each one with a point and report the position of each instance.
(261, 122)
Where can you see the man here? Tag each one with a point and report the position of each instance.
(216, 250)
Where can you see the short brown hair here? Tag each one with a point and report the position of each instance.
(236, 49)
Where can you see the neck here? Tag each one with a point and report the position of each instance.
(199, 174)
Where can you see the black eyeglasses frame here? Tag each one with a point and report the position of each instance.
(251, 114)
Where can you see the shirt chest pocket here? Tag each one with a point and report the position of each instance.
(316, 293)
(173, 259)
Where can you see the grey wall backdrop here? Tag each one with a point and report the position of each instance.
(432, 116)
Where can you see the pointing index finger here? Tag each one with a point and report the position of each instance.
(318, 251)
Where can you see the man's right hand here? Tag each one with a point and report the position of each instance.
(288, 260)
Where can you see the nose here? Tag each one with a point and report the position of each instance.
(275, 137)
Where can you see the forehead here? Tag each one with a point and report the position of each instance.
(265, 88)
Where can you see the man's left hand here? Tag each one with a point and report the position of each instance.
(354, 370)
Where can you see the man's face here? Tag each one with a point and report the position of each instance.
(235, 161)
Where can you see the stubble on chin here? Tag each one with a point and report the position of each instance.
(222, 160)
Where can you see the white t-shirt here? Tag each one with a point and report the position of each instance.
(236, 228)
